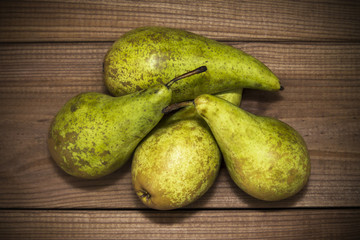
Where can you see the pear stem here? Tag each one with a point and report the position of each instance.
(176, 106)
(188, 74)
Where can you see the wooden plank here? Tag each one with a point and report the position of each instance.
(30, 67)
(34, 21)
(321, 101)
(219, 224)
(29, 181)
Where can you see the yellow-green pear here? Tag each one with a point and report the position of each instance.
(148, 55)
(264, 156)
(178, 161)
(95, 134)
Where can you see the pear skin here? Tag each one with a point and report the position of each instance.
(175, 165)
(178, 161)
(145, 56)
(94, 134)
(232, 96)
(265, 157)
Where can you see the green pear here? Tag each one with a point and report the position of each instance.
(265, 157)
(148, 55)
(233, 96)
(178, 161)
(95, 134)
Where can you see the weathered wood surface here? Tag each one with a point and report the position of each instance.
(220, 224)
(53, 50)
(223, 20)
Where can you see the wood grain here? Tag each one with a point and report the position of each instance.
(321, 100)
(219, 224)
(53, 21)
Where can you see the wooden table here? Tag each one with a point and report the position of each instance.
(53, 50)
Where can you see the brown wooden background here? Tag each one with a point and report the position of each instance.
(52, 50)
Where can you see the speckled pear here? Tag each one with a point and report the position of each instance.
(95, 134)
(265, 157)
(146, 56)
(178, 161)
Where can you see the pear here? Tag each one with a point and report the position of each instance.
(265, 157)
(95, 134)
(146, 56)
(178, 161)
(232, 96)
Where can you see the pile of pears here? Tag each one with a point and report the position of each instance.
(174, 110)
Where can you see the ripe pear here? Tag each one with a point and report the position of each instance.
(233, 96)
(178, 161)
(265, 157)
(95, 134)
(146, 56)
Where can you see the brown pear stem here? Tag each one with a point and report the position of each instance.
(188, 74)
(176, 106)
